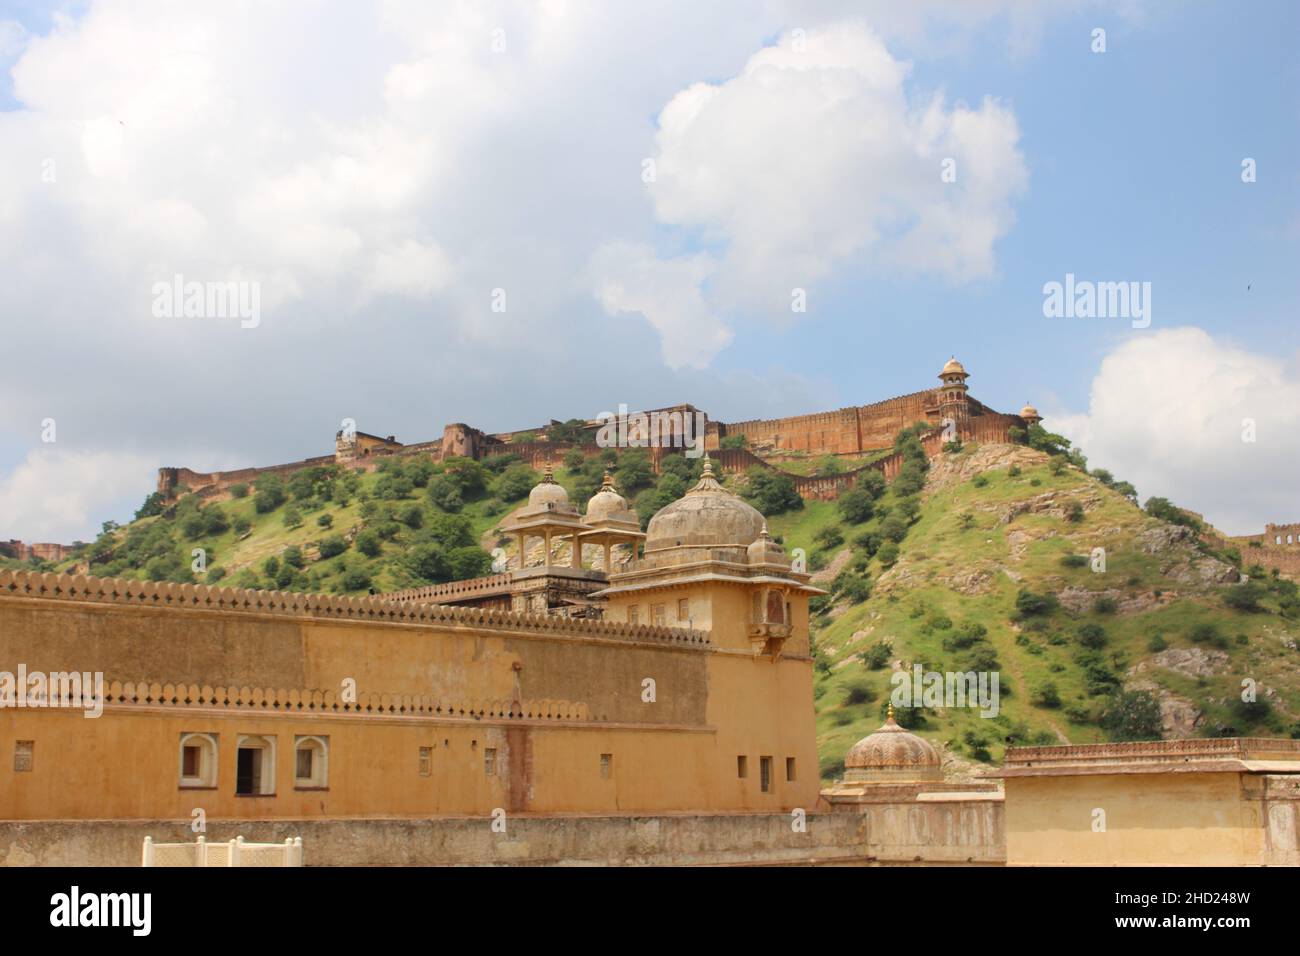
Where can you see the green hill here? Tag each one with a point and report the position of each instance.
(981, 559)
(995, 572)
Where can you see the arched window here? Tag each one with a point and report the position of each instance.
(198, 756)
(255, 766)
(311, 763)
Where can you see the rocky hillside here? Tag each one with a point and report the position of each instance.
(1101, 621)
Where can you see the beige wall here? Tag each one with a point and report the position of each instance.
(1151, 819)
(677, 753)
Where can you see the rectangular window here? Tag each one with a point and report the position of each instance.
(304, 763)
(24, 754)
(190, 762)
(634, 614)
(490, 761)
(606, 766)
(426, 760)
(657, 614)
(742, 766)
(683, 609)
(789, 768)
(765, 774)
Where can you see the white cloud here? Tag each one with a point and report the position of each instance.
(816, 156)
(13, 37)
(57, 495)
(667, 292)
(383, 171)
(1167, 412)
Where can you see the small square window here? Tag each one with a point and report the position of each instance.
(683, 609)
(426, 761)
(742, 767)
(190, 761)
(765, 774)
(490, 761)
(634, 614)
(789, 768)
(24, 753)
(606, 766)
(657, 614)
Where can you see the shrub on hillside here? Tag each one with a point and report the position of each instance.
(858, 692)
(888, 554)
(515, 482)
(270, 494)
(856, 505)
(1105, 605)
(894, 528)
(771, 492)
(1030, 604)
(1074, 561)
(239, 490)
(878, 655)
(332, 546)
(412, 516)
(1132, 715)
(1208, 632)
(873, 483)
(1163, 509)
(444, 494)
(369, 544)
(1093, 636)
(1244, 597)
(829, 537)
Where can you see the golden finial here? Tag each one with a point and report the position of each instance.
(891, 712)
(708, 465)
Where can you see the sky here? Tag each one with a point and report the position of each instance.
(502, 213)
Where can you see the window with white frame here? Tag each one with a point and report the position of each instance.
(311, 763)
(198, 760)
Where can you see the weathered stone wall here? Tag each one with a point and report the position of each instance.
(897, 835)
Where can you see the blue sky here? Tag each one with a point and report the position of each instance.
(380, 169)
(1134, 160)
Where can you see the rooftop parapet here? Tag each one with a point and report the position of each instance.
(1215, 754)
(370, 610)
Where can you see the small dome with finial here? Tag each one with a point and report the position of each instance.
(607, 502)
(891, 755)
(548, 493)
(953, 367)
(766, 551)
(1029, 413)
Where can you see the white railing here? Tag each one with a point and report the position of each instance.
(234, 853)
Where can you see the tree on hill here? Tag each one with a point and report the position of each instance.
(153, 505)
(771, 492)
(515, 482)
(735, 441)
(856, 505)
(1132, 715)
(270, 494)
(1163, 509)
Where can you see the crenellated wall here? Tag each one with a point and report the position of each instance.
(855, 430)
